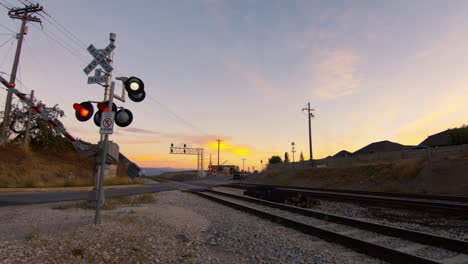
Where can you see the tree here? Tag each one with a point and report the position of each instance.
(43, 136)
(286, 157)
(301, 157)
(459, 135)
(274, 160)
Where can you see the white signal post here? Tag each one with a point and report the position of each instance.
(106, 129)
(104, 58)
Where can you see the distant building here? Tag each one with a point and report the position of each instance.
(440, 139)
(230, 169)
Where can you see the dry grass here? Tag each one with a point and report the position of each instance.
(381, 176)
(47, 169)
(39, 169)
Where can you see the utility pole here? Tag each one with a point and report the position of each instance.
(243, 165)
(261, 162)
(310, 115)
(25, 15)
(28, 124)
(293, 150)
(219, 142)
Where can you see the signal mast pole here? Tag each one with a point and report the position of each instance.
(25, 15)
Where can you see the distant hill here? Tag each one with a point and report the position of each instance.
(157, 171)
(381, 146)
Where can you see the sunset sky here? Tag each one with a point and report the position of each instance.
(242, 70)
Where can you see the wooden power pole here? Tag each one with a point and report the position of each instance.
(25, 14)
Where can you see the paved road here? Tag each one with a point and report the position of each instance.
(31, 198)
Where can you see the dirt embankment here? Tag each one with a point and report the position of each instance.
(40, 169)
(50, 169)
(444, 177)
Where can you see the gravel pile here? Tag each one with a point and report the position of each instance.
(177, 228)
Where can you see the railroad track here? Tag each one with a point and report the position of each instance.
(388, 243)
(452, 204)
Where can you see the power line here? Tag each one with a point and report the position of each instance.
(6, 55)
(1, 45)
(63, 46)
(64, 29)
(7, 28)
(2, 4)
(180, 119)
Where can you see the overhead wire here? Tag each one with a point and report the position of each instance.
(74, 53)
(71, 38)
(3, 4)
(1, 45)
(7, 28)
(63, 29)
(6, 55)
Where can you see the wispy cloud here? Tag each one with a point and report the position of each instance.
(193, 139)
(138, 141)
(139, 130)
(333, 73)
(254, 79)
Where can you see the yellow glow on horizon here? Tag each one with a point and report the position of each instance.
(242, 151)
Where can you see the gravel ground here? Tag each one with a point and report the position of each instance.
(453, 227)
(177, 228)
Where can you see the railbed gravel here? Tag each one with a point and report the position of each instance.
(435, 223)
(178, 227)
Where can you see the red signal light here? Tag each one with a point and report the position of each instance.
(13, 85)
(77, 107)
(84, 112)
(102, 107)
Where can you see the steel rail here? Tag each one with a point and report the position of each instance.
(368, 248)
(456, 204)
(415, 236)
(389, 194)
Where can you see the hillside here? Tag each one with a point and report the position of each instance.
(444, 177)
(49, 169)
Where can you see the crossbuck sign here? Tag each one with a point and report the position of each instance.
(100, 58)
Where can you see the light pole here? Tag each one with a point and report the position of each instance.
(293, 150)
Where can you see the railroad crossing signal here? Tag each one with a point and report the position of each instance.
(83, 111)
(123, 117)
(100, 58)
(135, 89)
(98, 77)
(107, 123)
(102, 107)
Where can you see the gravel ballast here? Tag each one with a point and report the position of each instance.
(433, 223)
(178, 227)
